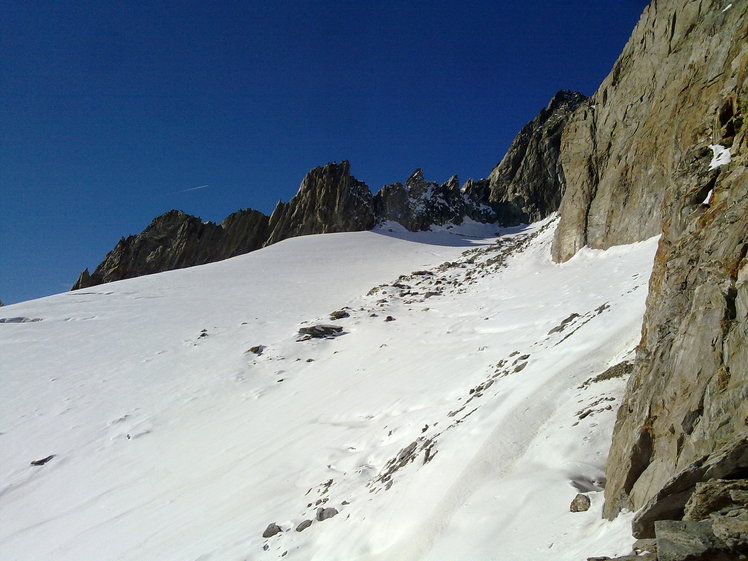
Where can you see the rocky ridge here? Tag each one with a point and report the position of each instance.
(175, 240)
(330, 199)
(528, 183)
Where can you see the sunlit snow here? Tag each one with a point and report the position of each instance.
(460, 429)
(720, 156)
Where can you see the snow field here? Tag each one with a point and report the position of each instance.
(431, 434)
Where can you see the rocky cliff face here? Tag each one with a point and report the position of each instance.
(528, 183)
(419, 203)
(176, 240)
(329, 199)
(621, 148)
(637, 161)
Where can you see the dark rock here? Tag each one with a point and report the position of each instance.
(730, 527)
(714, 495)
(325, 513)
(271, 530)
(303, 525)
(670, 501)
(42, 461)
(528, 183)
(581, 503)
(389, 318)
(616, 371)
(561, 326)
(257, 349)
(329, 199)
(339, 314)
(176, 240)
(19, 320)
(420, 204)
(644, 546)
(321, 331)
(679, 540)
(644, 557)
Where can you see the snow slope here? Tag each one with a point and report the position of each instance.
(462, 429)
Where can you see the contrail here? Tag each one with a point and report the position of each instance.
(194, 188)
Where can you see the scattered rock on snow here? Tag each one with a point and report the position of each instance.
(389, 318)
(42, 461)
(271, 530)
(257, 349)
(563, 324)
(19, 320)
(325, 513)
(320, 331)
(303, 525)
(616, 371)
(581, 503)
(339, 314)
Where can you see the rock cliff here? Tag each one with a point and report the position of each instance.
(329, 199)
(528, 183)
(176, 240)
(620, 148)
(637, 160)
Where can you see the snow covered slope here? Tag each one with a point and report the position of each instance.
(453, 419)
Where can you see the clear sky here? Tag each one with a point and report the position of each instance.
(114, 112)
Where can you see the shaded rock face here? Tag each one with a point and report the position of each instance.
(637, 162)
(420, 204)
(621, 147)
(528, 183)
(329, 199)
(176, 240)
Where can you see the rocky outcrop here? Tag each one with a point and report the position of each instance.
(176, 240)
(637, 161)
(525, 186)
(528, 183)
(420, 204)
(329, 199)
(622, 146)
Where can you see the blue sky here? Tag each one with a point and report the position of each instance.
(114, 111)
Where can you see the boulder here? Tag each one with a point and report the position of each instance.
(580, 503)
(325, 513)
(271, 530)
(321, 331)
